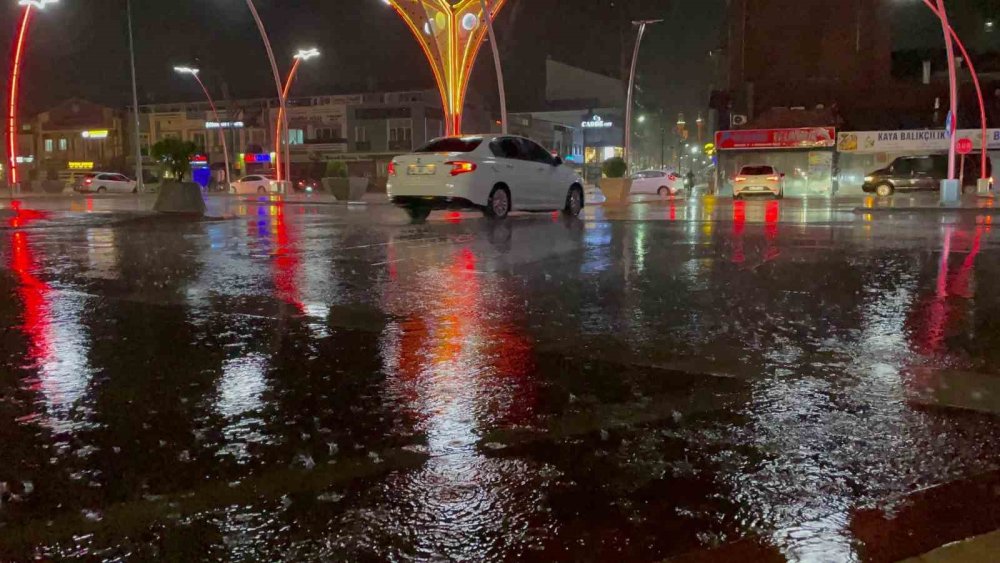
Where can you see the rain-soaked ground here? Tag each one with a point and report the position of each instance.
(699, 380)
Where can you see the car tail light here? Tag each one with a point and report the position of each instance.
(459, 167)
(88, 181)
(741, 179)
(392, 168)
(673, 177)
(773, 178)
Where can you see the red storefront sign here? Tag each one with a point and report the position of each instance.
(801, 138)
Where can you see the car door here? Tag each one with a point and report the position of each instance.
(513, 169)
(121, 184)
(903, 176)
(640, 183)
(924, 173)
(549, 191)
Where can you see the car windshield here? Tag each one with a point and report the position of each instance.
(756, 171)
(451, 144)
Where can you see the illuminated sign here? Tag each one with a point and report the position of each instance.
(81, 165)
(224, 125)
(257, 158)
(597, 123)
(199, 160)
(800, 138)
(25, 159)
(96, 134)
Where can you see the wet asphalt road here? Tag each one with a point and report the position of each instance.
(699, 380)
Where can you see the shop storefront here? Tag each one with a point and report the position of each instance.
(861, 152)
(602, 138)
(806, 156)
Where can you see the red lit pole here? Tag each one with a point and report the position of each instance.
(975, 82)
(15, 77)
(215, 113)
(280, 123)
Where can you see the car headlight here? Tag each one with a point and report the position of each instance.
(869, 178)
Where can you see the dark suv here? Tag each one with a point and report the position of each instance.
(911, 173)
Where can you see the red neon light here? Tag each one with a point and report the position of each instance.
(281, 120)
(15, 76)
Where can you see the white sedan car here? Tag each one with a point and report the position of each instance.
(105, 182)
(758, 180)
(660, 182)
(494, 173)
(253, 184)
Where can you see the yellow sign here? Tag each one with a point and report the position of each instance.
(96, 134)
(81, 165)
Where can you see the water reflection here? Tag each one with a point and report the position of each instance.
(457, 365)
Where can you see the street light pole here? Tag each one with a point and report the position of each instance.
(953, 80)
(277, 83)
(488, 14)
(222, 126)
(137, 144)
(631, 88)
(282, 121)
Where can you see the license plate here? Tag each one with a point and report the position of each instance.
(421, 170)
(758, 188)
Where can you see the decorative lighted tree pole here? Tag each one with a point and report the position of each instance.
(15, 81)
(450, 33)
(282, 121)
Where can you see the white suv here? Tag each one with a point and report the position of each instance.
(494, 173)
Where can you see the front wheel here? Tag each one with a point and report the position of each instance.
(574, 202)
(102, 190)
(418, 214)
(884, 190)
(498, 206)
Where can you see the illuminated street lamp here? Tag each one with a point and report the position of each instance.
(222, 125)
(15, 78)
(282, 121)
(277, 81)
(450, 34)
(641, 25)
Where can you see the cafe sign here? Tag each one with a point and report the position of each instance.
(597, 123)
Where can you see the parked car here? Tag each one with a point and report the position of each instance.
(308, 185)
(253, 184)
(105, 182)
(661, 182)
(758, 179)
(494, 173)
(914, 173)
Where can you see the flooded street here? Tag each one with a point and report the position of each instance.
(695, 380)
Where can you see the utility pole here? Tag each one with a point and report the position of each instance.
(136, 142)
(641, 24)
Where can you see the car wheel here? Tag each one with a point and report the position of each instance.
(418, 214)
(663, 191)
(261, 190)
(884, 190)
(737, 197)
(102, 190)
(498, 206)
(781, 195)
(574, 201)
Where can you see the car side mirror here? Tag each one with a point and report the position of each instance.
(557, 161)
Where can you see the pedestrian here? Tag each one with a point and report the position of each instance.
(689, 179)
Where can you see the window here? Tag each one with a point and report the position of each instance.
(902, 167)
(324, 134)
(536, 152)
(360, 134)
(296, 136)
(506, 147)
(756, 171)
(923, 165)
(198, 139)
(63, 144)
(400, 134)
(452, 144)
(49, 145)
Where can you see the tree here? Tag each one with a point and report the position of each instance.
(175, 155)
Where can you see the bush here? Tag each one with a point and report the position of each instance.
(336, 169)
(614, 167)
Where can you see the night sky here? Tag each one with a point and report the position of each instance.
(79, 48)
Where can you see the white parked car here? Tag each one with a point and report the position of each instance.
(660, 182)
(105, 182)
(758, 180)
(253, 184)
(494, 173)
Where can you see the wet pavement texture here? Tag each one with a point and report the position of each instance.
(698, 380)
